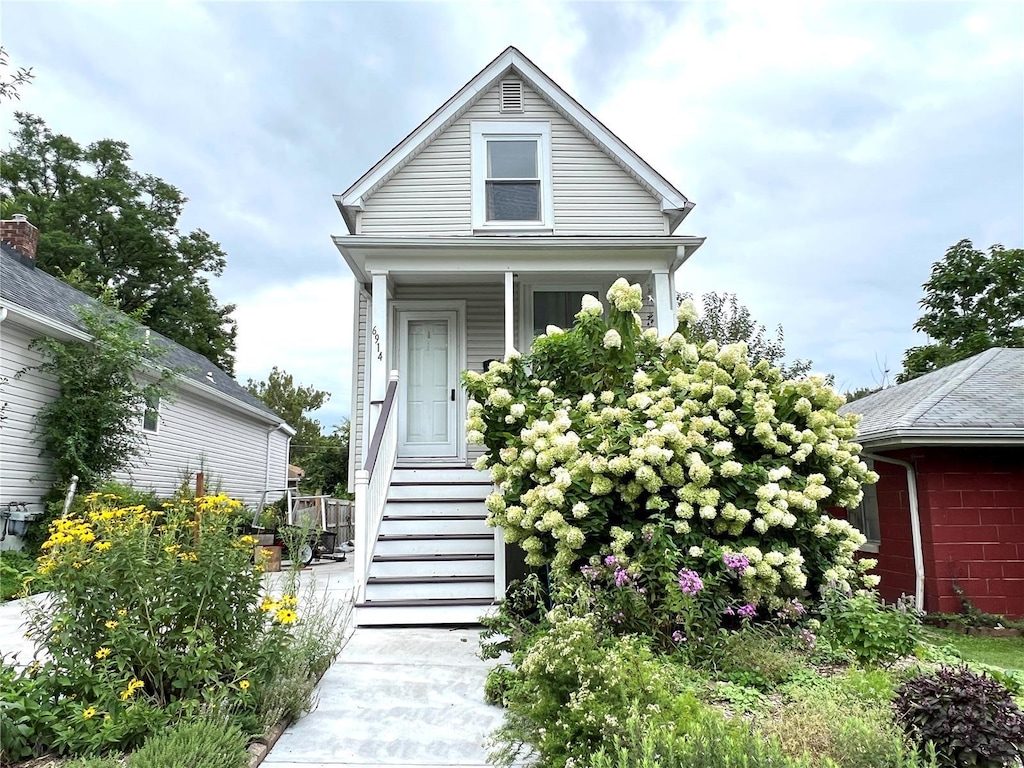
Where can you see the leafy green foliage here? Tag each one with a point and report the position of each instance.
(757, 657)
(873, 632)
(90, 428)
(725, 321)
(709, 740)
(973, 301)
(323, 457)
(203, 743)
(9, 84)
(17, 575)
(119, 228)
(970, 718)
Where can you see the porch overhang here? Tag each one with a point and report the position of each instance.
(365, 255)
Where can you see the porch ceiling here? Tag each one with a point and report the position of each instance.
(471, 259)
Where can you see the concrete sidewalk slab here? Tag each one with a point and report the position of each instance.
(410, 697)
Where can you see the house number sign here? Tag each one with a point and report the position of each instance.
(376, 342)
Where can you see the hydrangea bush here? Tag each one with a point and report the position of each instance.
(608, 441)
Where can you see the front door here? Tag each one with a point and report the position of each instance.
(428, 384)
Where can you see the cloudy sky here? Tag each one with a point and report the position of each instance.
(834, 150)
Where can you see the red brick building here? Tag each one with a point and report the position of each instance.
(948, 510)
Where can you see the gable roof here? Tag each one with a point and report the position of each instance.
(53, 302)
(673, 202)
(977, 400)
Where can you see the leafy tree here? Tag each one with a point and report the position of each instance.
(90, 428)
(323, 457)
(326, 463)
(9, 84)
(119, 228)
(724, 320)
(973, 301)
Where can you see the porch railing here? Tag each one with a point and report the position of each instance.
(371, 486)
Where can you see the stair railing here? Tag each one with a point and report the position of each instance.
(371, 487)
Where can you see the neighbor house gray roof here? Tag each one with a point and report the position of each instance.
(978, 400)
(22, 284)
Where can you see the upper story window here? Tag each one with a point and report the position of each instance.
(511, 175)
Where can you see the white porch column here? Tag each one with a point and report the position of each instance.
(664, 298)
(378, 349)
(509, 316)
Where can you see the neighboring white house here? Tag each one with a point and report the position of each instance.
(483, 226)
(209, 422)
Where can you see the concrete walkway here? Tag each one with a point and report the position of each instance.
(396, 697)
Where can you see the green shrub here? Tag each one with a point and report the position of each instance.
(708, 741)
(496, 687)
(873, 632)
(18, 577)
(971, 719)
(605, 439)
(94, 762)
(200, 744)
(153, 615)
(828, 721)
(757, 657)
(573, 690)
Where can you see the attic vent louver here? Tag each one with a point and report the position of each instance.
(511, 96)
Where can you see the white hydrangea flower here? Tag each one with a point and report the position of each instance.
(482, 463)
(686, 312)
(696, 552)
(612, 340)
(475, 437)
(544, 393)
(642, 381)
(591, 305)
(626, 297)
(731, 469)
(499, 398)
(553, 330)
(607, 397)
(722, 449)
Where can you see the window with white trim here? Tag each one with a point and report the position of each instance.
(511, 175)
(865, 517)
(151, 415)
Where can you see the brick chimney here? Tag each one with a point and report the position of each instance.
(19, 233)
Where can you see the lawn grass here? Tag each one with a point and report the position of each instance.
(1004, 652)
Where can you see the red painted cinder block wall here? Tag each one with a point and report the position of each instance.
(972, 527)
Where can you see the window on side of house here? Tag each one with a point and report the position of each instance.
(511, 175)
(556, 308)
(151, 415)
(865, 516)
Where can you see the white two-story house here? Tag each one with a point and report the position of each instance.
(483, 226)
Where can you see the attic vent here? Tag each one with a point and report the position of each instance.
(511, 96)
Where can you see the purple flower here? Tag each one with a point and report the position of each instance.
(808, 637)
(747, 611)
(792, 610)
(730, 611)
(736, 562)
(621, 576)
(611, 560)
(678, 637)
(590, 572)
(619, 617)
(689, 582)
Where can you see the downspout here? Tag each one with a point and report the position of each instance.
(915, 524)
(270, 433)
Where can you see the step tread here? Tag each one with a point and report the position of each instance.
(435, 483)
(436, 500)
(433, 558)
(433, 517)
(425, 602)
(429, 579)
(434, 536)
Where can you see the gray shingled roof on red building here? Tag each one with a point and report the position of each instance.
(979, 400)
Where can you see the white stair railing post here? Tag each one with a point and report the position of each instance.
(360, 535)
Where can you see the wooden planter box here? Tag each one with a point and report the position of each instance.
(272, 563)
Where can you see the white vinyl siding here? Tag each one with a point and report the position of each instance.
(24, 474)
(199, 435)
(592, 194)
(193, 432)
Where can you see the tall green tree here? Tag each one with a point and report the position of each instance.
(973, 301)
(119, 228)
(10, 83)
(724, 320)
(324, 457)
